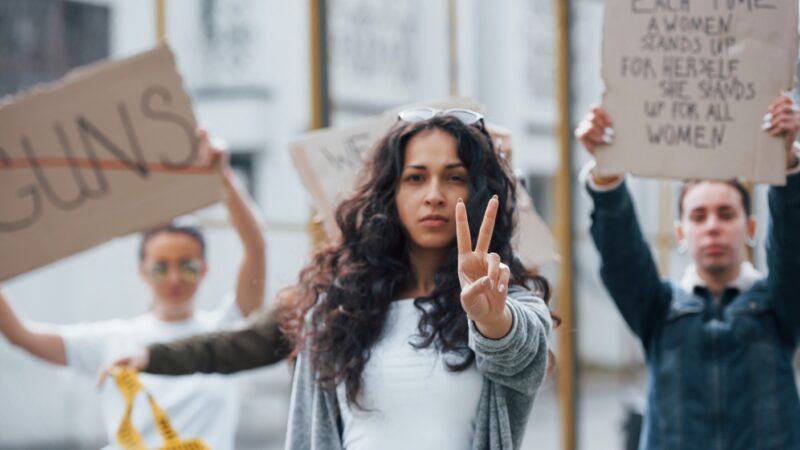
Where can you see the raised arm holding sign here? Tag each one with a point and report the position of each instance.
(87, 194)
(109, 150)
(719, 342)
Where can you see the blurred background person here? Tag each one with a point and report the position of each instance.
(710, 338)
(172, 262)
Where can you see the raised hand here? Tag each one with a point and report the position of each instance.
(138, 360)
(213, 151)
(595, 129)
(783, 119)
(483, 277)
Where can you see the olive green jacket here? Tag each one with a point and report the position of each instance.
(260, 343)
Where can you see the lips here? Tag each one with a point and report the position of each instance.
(434, 221)
(713, 249)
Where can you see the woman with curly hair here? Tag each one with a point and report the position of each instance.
(405, 335)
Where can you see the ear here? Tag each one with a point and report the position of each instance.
(143, 272)
(751, 227)
(678, 227)
(203, 270)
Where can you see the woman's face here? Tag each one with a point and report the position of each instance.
(432, 181)
(715, 226)
(173, 267)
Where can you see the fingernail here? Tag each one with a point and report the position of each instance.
(485, 282)
(501, 288)
(766, 125)
(491, 284)
(494, 196)
(608, 138)
(767, 117)
(609, 131)
(460, 200)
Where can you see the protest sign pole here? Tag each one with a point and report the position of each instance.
(161, 21)
(566, 374)
(452, 37)
(318, 40)
(320, 101)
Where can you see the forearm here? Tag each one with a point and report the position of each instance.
(250, 283)
(260, 344)
(783, 251)
(241, 211)
(518, 360)
(46, 346)
(626, 264)
(498, 327)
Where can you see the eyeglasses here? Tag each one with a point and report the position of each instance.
(465, 116)
(188, 270)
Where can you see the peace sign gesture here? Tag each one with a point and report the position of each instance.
(483, 278)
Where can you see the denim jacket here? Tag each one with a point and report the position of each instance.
(720, 372)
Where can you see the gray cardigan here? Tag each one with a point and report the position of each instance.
(513, 368)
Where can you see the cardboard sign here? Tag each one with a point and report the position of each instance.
(688, 82)
(109, 150)
(329, 162)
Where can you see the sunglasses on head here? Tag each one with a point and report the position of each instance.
(465, 116)
(188, 270)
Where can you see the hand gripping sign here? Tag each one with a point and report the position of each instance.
(109, 150)
(127, 436)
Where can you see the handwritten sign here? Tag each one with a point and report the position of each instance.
(688, 82)
(329, 162)
(109, 150)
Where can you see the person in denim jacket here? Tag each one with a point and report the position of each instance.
(719, 344)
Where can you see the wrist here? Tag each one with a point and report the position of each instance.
(791, 156)
(496, 327)
(603, 181)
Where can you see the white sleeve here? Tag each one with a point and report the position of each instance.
(87, 345)
(224, 316)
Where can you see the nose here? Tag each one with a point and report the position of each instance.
(434, 196)
(713, 223)
(173, 276)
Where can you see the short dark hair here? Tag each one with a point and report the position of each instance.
(189, 230)
(734, 183)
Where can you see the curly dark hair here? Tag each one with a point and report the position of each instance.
(344, 294)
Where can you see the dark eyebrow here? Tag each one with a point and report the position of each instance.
(422, 167)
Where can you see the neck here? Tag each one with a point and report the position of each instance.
(171, 313)
(424, 264)
(718, 279)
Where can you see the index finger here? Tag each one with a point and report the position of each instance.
(487, 227)
(463, 239)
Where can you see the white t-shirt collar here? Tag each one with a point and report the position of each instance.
(748, 276)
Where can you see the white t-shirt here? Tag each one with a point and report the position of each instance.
(199, 406)
(411, 399)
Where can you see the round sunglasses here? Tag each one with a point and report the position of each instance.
(465, 116)
(188, 270)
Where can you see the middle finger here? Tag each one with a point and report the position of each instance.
(487, 227)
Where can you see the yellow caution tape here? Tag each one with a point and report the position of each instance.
(128, 436)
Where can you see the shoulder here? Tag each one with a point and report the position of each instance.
(224, 315)
(104, 328)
